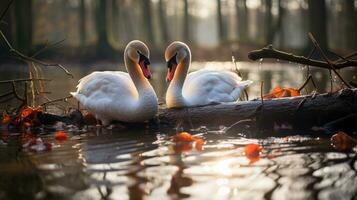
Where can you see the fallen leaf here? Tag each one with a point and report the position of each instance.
(184, 142)
(343, 142)
(25, 112)
(60, 136)
(5, 119)
(278, 92)
(252, 152)
(183, 137)
(89, 119)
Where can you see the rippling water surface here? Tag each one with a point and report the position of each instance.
(145, 164)
(99, 163)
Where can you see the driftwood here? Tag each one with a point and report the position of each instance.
(300, 112)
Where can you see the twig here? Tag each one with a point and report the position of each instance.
(17, 96)
(316, 44)
(46, 47)
(23, 57)
(6, 94)
(25, 80)
(270, 52)
(56, 100)
(305, 83)
(350, 55)
(6, 9)
(353, 83)
(261, 92)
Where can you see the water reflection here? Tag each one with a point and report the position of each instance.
(143, 164)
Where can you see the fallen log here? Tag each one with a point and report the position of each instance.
(300, 112)
(296, 113)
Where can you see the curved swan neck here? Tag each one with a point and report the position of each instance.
(174, 91)
(135, 73)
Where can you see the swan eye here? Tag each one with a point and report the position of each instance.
(143, 59)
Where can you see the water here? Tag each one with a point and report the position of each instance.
(99, 163)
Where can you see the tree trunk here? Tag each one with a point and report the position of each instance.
(269, 29)
(221, 28)
(103, 45)
(147, 18)
(351, 22)
(82, 23)
(242, 22)
(7, 25)
(301, 112)
(23, 29)
(318, 22)
(115, 20)
(163, 22)
(186, 24)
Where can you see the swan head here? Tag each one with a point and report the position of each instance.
(175, 53)
(139, 53)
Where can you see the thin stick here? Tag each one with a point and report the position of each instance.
(326, 59)
(46, 47)
(23, 57)
(25, 80)
(17, 96)
(305, 83)
(261, 92)
(56, 100)
(6, 9)
(6, 94)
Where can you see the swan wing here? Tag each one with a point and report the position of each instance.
(101, 92)
(207, 86)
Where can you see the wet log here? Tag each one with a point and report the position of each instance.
(300, 112)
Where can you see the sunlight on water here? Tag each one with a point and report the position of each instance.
(145, 164)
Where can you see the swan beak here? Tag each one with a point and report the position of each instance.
(171, 71)
(145, 68)
(144, 65)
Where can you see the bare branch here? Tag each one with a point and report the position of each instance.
(24, 80)
(6, 9)
(316, 44)
(25, 58)
(270, 52)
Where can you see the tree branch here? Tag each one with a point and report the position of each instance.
(270, 52)
(23, 57)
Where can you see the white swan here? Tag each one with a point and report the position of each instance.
(115, 95)
(201, 87)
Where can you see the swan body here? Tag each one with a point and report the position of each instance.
(201, 87)
(116, 95)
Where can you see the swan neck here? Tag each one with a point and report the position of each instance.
(174, 93)
(136, 75)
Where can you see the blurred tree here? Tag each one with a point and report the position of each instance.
(23, 25)
(7, 24)
(186, 24)
(147, 19)
(279, 24)
(128, 21)
(82, 23)
(317, 22)
(163, 22)
(351, 22)
(242, 22)
(221, 28)
(115, 18)
(104, 48)
(269, 28)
